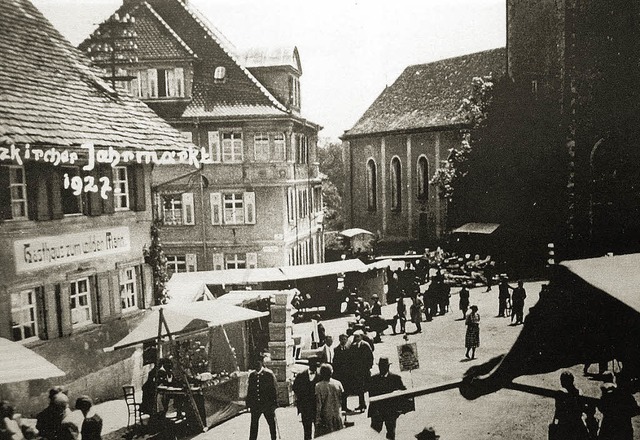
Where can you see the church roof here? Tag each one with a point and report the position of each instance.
(428, 95)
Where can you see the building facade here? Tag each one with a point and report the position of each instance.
(392, 152)
(257, 201)
(74, 278)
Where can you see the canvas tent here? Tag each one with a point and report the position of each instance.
(589, 313)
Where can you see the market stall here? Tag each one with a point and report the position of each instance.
(196, 369)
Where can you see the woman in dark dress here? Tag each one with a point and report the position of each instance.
(464, 301)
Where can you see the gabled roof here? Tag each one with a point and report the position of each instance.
(428, 95)
(273, 57)
(222, 41)
(49, 95)
(155, 40)
(171, 29)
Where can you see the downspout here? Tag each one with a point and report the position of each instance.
(201, 179)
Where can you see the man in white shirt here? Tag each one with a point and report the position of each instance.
(326, 352)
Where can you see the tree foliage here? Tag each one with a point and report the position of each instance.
(333, 187)
(474, 111)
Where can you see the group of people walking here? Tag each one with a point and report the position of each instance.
(56, 422)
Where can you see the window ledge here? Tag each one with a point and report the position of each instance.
(166, 99)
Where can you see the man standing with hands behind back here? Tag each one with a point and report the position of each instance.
(386, 412)
(304, 387)
(262, 398)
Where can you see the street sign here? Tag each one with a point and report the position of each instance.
(408, 357)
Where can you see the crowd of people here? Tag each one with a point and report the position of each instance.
(56, 422)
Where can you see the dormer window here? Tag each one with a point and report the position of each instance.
(158, 83)
(220, 74)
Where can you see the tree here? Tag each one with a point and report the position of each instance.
(333, 186)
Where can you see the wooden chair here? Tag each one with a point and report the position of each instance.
(133, 408)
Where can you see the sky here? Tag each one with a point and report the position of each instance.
(350, 50)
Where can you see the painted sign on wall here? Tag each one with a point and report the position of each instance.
(41, 252)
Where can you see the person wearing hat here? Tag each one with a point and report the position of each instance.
(361, 362)
(386, 412)
(304, 387)
(376, 308)
(49, 420)
(503, 296)
(427, 434)
(92, 424)
(618, 407)
(472, 336)
(342, 371)
(262, 398)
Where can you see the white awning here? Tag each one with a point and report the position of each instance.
(186, 291)
(477, 228)
(18, 363)
(355, 231)
(229, 276)
(322, 269)
(186, 317)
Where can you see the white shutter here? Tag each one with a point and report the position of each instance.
(217, 261)
(192, 262)
(249, 201)
(252, 260)
(216, 208)
(214, 146)
(152, 83)
(188, 217)
(179, 82)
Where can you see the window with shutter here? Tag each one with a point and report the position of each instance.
(214, 146)
(128, 289)
(291, 205)
(192, 262)
(188, 216)
(24, 316)
(252, 260)
(80, 298)
(217, 261)
(121, 188)
(216, 208)
(250, 208)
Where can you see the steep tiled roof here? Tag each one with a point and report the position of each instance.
(428, 95)
(228, 48)
(158, 42)
(155, 39)
(49, 95)
(275, 56)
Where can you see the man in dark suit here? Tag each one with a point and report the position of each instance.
(342, 368)
(304, 387)
(386, 412)
(262, 398)
(361, 362)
